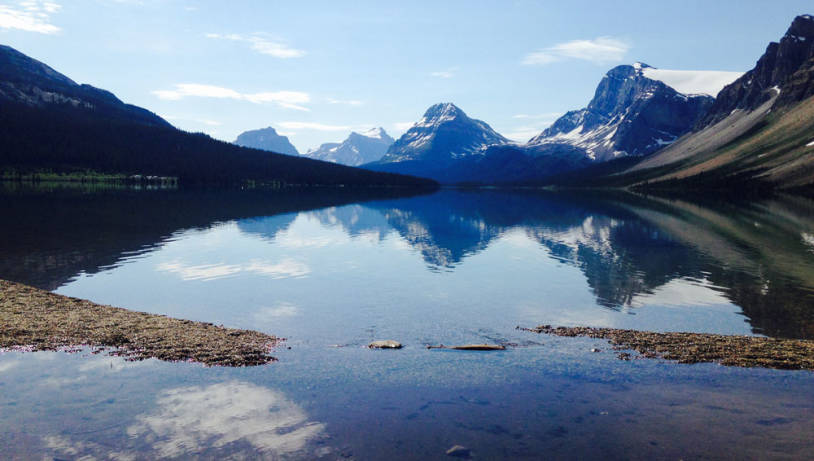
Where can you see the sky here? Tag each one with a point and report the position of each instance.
(316, 70)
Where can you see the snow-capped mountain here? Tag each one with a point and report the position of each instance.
(445, 133)
(443, 137)
(266, 139)
(359, 148)
(631, 114)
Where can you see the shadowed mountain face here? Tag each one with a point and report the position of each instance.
(773, 71)
(630, 250)
(34, 84)
(49, 123)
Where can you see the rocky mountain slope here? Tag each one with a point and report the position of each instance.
(266, 139)
(357, 149)
(760, 130)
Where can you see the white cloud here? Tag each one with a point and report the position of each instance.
(448, 73)
(533, 125)
(287, 99)
(600, 50)
(313, 126)
(347, 102)
(262, 45)
(522, 134)
(30, 16)
(403, 126)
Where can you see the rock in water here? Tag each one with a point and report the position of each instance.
(458, 451)
(386, 344)
(479, 347)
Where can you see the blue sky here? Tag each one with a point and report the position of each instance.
(316, 70)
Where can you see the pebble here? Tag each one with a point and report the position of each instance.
(386, 344)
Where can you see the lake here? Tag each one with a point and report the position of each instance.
(333, 269)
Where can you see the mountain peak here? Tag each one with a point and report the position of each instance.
(443, 110)
(443, 135)
(801, 27)
(266, 139)
(374, 133)
(771, 76)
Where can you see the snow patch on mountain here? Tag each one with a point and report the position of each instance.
(708, 82)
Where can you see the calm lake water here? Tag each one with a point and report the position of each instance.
(331, 270)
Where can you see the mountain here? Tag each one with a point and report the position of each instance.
(26, 81)
(357, 149)
(266, 139)
(444, 136)
(50, 123)
(632, 114)
(758, 133)
(629, 115)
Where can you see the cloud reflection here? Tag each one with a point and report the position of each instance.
(241, 418)
(286, 268)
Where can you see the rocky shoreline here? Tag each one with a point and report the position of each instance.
(739, 351)
(34, 319)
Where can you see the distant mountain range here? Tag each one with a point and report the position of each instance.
(266, 139)
(644, 127)
(359, 148)
(50, 123)
(630, 115)
(640, 130)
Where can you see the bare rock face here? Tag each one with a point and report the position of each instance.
(785, 67)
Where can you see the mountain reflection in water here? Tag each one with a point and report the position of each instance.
(630, 249)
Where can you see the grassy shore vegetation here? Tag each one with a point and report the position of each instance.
(33, 319)
(739, 351)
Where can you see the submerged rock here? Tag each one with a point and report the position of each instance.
(458, 451)
(385, 344)
(472, 347)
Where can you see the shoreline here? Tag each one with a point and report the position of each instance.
(37, 320)
(738, 351)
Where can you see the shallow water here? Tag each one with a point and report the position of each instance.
(332, 270)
